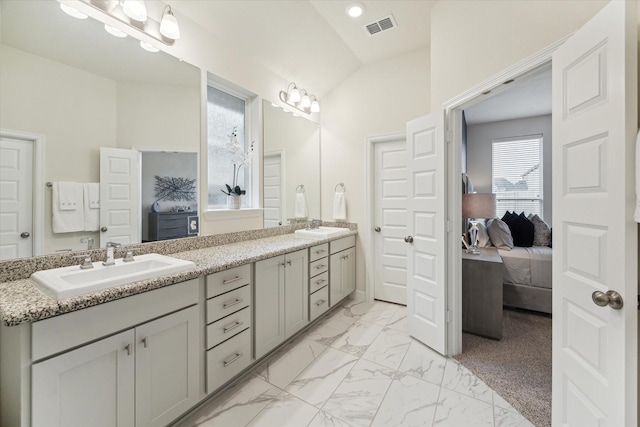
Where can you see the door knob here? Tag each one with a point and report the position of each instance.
(25, 234)
(611, 298)
(408, 239)
(377, 229)
(103, 229)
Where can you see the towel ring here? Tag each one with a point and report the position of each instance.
(301, 188)
(340, 184)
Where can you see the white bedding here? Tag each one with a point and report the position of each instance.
(527, 266)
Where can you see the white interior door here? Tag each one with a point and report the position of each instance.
(390, 221)
(16, 198)
(426, 225)
(119, 196)
(595, 367)
(273, 184)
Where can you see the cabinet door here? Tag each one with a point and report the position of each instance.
(90, 386)
(167, 377)
(335, 278)
(296, 314)
(342, 275)
(349, 272)
(269, 304)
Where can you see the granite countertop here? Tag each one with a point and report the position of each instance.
(21, 301)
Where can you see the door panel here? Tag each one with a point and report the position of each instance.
(273, 179)
(426, 286)
(595, 247)
(390, 281)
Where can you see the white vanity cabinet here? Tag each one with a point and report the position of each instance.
(146, 375)
(342, 269)
(281, 297)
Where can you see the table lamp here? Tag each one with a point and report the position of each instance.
(476, 205)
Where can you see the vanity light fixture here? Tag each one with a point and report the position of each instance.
(135, 9)
(299, 99)
(114, 31)
(148, 47)
(355, 10)
(169, 25)
(73, 12)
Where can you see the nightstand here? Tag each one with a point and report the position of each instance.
(482, 293)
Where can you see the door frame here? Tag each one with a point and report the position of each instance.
(38, 183)
(453, 122)
(368, 235)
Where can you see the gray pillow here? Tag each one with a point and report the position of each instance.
(541, 231)
(500, 234)
(483, 235)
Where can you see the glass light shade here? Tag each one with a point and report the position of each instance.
(149, 47)
(294, 96)
(72, 12)
(135, 9)
(355, 10)
(315, 107)
(305, 102)
(114, 31)
(169, 25)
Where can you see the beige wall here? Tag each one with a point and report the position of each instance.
(376, 100)
(472, 41)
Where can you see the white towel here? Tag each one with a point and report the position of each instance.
(91, 206)
(300, 208)
(339, 207)
(636, 216)
(69, 195)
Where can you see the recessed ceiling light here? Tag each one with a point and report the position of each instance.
(355, 10)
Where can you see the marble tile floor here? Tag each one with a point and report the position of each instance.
(358, 367)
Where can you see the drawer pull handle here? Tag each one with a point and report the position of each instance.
(318, 267)
(231, 304)
(128, 348)
(320, 281)
(233, 359)
(235, 279)
(145, 341)
(321, 251)
(322, 301)
(232, 327)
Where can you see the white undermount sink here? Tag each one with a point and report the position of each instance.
(321, 232)
(66, 282)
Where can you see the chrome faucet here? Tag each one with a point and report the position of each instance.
(110, 259)
(314, 224)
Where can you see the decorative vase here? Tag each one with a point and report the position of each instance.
(234, 201)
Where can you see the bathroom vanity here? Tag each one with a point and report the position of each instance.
(145, 353)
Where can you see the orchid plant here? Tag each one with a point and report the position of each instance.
(239, 158)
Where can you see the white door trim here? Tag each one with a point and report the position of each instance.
(38, 141)
(367, 233)
(453, 113)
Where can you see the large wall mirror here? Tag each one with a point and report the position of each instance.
(291, 167)
(82, 89)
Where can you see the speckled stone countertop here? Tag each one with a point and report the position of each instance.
(21, 301)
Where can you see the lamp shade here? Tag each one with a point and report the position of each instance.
(476, 205)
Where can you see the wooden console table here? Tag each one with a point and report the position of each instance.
(482, 293)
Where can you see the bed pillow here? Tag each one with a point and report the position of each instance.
(483, 235)
(522, 231)
(509, 216)
(500, 234)
(541, 233)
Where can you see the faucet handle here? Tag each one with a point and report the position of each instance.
(86, 261)
(129, 256)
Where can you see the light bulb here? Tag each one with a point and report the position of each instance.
(315, 107)
(305, 102)
(148, 47)
(114, 31)
(355, 10)
(135, 9)
(169, 25)
(294, 96)
(72, 12)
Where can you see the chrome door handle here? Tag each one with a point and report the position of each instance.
(377, 229)
(611, 298)
(25, 234)
(103, 229)
(408, 239)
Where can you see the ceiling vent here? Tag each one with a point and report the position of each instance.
(381, 25)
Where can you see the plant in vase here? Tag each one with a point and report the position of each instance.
(239, 158)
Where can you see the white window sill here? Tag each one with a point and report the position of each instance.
(224, 214)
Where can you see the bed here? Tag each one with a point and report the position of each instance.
(527, 278)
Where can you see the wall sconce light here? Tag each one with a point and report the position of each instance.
(300, 99)
(133, 13)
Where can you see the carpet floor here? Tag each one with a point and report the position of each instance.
(518, 367)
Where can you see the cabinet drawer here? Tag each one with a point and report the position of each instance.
(228, 280)
(342, 244)
(319, 266)
(226, 328)
(318, 282)
(228, 303)
(318, 303)
(319, 251)
(228, 359)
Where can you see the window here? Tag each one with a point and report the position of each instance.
(226, 113)
(517, 175)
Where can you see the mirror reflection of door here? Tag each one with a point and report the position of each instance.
(273, 185)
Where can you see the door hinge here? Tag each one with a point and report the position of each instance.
(449, 316)
(448, 136)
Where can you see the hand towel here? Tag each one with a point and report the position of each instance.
(91, 206)
(300, 208)
(636, 215)
(71, 196)
(339, 207)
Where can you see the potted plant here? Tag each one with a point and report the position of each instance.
(239, 158)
